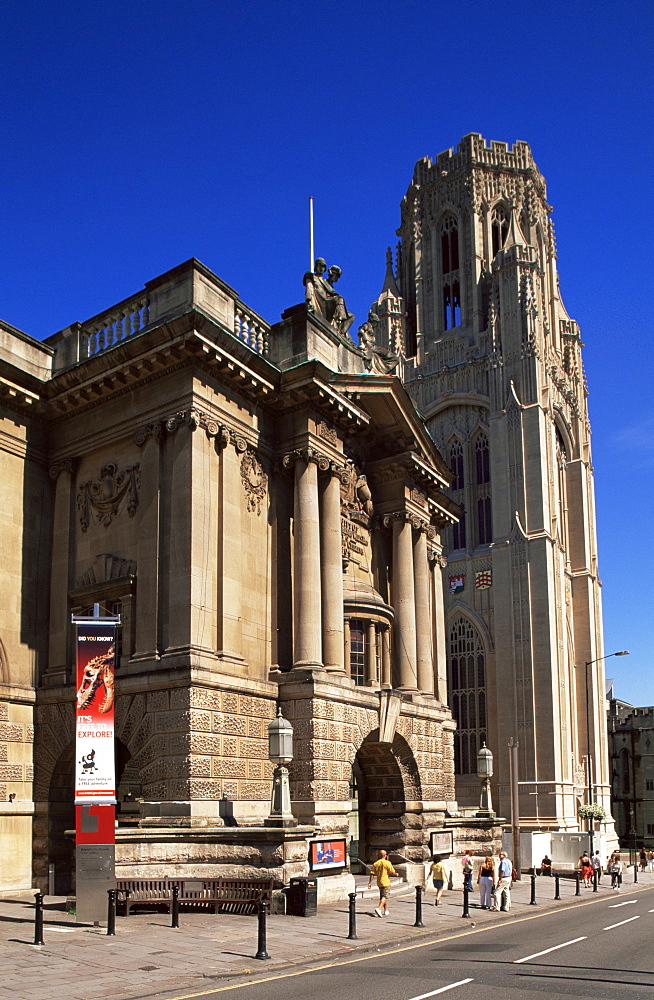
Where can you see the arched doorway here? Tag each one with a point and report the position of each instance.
(384, 779)
(61, 819)
(61, 810)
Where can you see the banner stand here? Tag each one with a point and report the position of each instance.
(95, 770)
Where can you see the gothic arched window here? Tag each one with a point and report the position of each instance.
(450, 272)
(481, 490)
(467, 687)
(499, 228)
(561, 464)
(455, 458)
(482, 459)
(459, 533)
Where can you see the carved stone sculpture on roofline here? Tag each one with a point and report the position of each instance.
(323, 299)
(377, 359)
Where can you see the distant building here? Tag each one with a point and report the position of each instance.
(631, 749)
(494, 365)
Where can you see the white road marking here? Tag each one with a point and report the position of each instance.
(627, 902)
(62, 930)
(556, 947)
(443, 989)
(620, 924)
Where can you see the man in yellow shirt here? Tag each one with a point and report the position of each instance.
(382, 869)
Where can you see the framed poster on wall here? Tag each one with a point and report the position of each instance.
(325, 854)
(441, 842)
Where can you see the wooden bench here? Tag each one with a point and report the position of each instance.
(224, 895)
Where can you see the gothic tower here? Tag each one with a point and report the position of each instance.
(493, 362)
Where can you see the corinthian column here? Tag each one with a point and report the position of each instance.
(307, 644)
(405, 605)
(332, 575)
(423, 618)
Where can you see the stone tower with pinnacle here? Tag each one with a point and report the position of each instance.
(493, 362)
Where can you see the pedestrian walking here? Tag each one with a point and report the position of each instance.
(486, 883)
(650, 861)
(382, 870)
(439, 876)
(642, 857)
(504, 881)
(615, 870)
(466, 867)
(596, 862)
(586, 869)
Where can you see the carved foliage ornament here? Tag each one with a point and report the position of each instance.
(255, 481)
(104, 498)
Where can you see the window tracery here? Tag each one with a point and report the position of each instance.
(499, 228)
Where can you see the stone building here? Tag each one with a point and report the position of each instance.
(494, 365)
(263, 507)
(631, 747)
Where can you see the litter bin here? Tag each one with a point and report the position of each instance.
(302, 897)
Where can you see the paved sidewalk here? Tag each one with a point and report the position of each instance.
(79, 962)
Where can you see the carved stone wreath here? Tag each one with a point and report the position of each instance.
(255, 481)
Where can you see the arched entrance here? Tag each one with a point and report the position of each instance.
(61, 810)
(61, 818)
(384, 779)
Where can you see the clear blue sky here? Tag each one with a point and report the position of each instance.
(138, 133)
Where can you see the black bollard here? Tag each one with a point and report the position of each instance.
(262, 953)
(450, 883)
(595, 879)
(578, 882)
(111, 913)
(419, 891)
(175, 907)
(557, 887)
(38, 918)
(635, 872)
(532, 901)
(466, 908)
(352, 934)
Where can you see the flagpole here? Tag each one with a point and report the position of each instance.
(311, 248)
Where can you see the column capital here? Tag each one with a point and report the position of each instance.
(68, 465)
(143, 434)
(407, 517)
(324, 463)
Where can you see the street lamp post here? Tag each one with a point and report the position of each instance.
(589, 756)
(485, 772)
(280, 751)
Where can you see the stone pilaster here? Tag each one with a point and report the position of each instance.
(147, 559)
(179, 534)
(230, 569)
(62, 541)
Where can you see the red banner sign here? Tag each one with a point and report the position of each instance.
(95, 775)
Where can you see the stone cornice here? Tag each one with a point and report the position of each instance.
(191, 339)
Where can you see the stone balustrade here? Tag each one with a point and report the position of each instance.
(110, 328)
(250, 328)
